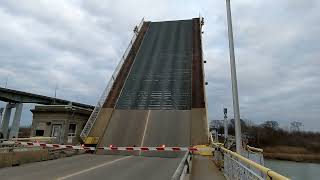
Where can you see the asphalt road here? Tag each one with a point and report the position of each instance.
(95, 167)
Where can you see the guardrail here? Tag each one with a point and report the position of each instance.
(254, 149)
(184, 167)
(236, 166)
(86, 130)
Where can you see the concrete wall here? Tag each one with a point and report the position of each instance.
(47, 117)
(156, 127)
(101, 122)
(168, 127)
(199, 127)
(44, 117)
(125, 128)
(17, 158)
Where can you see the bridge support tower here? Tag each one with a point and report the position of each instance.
(16, 120)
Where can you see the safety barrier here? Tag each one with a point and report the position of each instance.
(87, 128)
(236, 166)
(234, 169)
(114, 148)
(184, 167)
(55, 146)
(151, 148)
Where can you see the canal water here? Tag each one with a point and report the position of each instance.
(295, 170)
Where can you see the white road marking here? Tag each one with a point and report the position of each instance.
(145, 130)
(92, 168)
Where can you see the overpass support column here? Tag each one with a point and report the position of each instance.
(1, 111)
(6, 119)
(16, 121)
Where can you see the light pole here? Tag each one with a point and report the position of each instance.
(225, 111)
(236, 110)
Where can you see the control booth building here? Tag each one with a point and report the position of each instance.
(64, 122)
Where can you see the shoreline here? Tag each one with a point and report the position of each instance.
(289, 153)
(308, 158)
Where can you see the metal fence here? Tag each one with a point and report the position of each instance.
(86, 130)
(255, 156)
(238, 167)
(235, 170)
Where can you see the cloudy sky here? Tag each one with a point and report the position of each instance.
(77, 44)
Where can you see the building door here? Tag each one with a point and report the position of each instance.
(57, 132)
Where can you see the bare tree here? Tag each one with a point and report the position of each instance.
(215, 124)
(271, 124)
(295, 126)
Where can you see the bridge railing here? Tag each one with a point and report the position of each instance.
(236, 166)
(184, 167)
(234, 169)
(86, 130)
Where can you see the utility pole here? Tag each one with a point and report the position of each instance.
(55, 94)
(236, 110)
(6, 84)
(225, 124)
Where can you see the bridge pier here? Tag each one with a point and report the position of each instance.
(6, 119)
(16, 121)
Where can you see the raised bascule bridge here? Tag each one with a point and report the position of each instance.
(151, 118)
(158, 95)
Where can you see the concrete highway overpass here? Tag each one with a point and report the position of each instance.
(16, 99)
(15, 96)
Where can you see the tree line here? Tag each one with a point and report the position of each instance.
(269, 134)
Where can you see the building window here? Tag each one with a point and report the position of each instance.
(39, 132)
(72, 130)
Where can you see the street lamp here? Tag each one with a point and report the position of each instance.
(236, 110)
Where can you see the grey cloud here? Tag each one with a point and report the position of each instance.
(77, 44)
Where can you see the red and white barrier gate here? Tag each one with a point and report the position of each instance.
(113, 148)
(149, 148)
(55, 146)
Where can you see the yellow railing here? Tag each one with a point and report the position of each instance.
(270, 173)
(254, 149)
